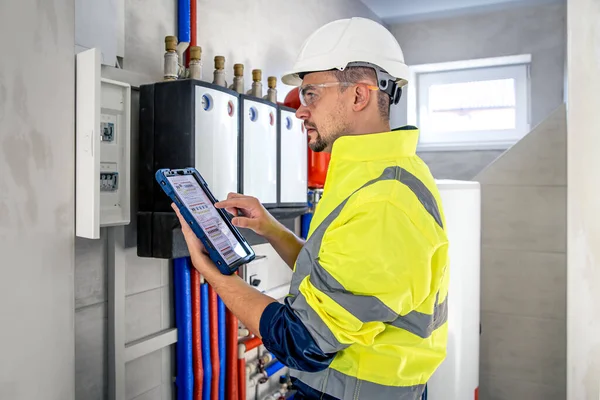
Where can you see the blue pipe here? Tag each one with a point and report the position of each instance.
(424, 397)
(183, 319)
(183, 20)
(222, 349)
(274, 368)
(206, 364)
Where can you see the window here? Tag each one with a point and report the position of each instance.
(482, 104)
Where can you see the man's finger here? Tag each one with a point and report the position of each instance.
(185, 227)
(232, 211)
(243, 222)
(236, 202)
(232, 195)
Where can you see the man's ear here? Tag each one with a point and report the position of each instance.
(361, 97)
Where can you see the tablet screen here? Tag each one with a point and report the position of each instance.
(198, 203)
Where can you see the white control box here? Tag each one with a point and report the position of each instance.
(259, 149)
(457, 378)
(102, 127)
(293, 159)
(216, 139)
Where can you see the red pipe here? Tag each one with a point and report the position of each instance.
(242, 377)
(196, 335)
(193, 29)
(232, 356)
(253, 343)
(193, 22)
(214, 343)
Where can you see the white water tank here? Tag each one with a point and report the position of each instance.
(457, 378)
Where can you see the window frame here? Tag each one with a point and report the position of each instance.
(517, 67)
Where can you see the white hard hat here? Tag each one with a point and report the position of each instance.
(348, 42)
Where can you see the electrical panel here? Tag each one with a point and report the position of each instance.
(258, 147)
(102, 175)
(292, 159)
(183, 123)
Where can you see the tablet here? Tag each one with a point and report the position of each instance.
(225, 244)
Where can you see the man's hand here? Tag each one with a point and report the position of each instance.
(253, 215)
(198, 253)
(244, 301)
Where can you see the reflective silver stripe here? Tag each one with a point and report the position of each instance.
(423, 325)
(365, 308)
(345, 387)
(316, 327)
(370, 308)
(423, 194)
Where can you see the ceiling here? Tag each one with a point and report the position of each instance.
(393, 11)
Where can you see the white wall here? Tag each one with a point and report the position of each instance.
(583, 249)
(538, 30)
(262, 34)
(36, 199)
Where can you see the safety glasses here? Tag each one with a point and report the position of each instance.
(311, 93)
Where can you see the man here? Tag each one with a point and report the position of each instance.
(366, 314)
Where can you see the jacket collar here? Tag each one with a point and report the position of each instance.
(400, 142)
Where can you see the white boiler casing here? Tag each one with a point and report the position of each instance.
(457, 378)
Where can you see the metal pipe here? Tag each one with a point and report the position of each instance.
(206, 343)
(219, 74)
(272, 91)
(171, 59)
(238, 78)
(197, 335)
(256, 89)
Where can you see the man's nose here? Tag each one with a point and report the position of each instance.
(302, 112)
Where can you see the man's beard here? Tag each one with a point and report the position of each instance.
(319, 144)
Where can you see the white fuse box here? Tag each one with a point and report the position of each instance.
(102, 175)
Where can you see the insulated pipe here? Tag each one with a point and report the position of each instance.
(214, 343)
(206, 343)
(193, 28)
(274, 368)
(193, 23)
(183, 20)
(183, 318)
(197, 335)
(232, 356)
(242, 378)
(222, 348)
(251, 344)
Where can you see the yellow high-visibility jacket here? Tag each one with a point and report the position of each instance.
(370, 285)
